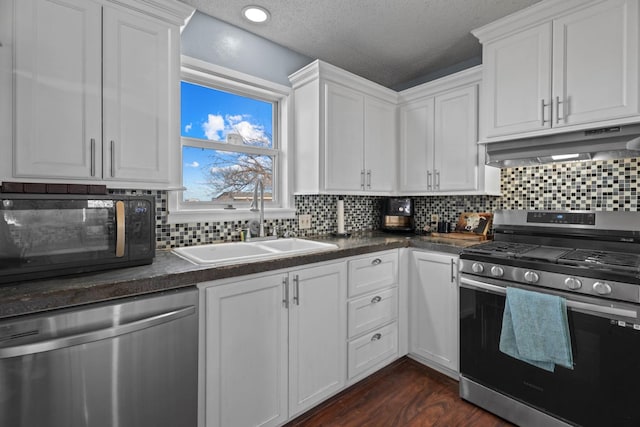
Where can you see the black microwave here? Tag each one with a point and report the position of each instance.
(45, 235)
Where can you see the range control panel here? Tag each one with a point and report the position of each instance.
(573, 218)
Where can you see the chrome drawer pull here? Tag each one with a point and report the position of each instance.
(376, 299)
(376, 337)
(376, 261)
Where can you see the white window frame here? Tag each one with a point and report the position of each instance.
(201, 72)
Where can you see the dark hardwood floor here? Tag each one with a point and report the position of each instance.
(404, 393)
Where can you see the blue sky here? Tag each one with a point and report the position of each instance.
(210, 114)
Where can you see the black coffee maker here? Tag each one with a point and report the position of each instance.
(397, 214)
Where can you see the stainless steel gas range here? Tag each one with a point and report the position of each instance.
(591, 261)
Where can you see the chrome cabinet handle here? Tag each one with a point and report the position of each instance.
(428, 180)
(436, 180)
(96, 335)
(92, 147)
(285, 291)
(376, 299)
(113, 159)
(558, 117)
(376, 337)
(362, 179)
(453, 277)
(542, 107)
(369, 178)
(376, 261)
(296, 289)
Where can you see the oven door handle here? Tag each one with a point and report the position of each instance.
(584, 307)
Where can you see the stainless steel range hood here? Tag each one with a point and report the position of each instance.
(595, 144)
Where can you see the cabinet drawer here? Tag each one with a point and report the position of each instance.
(373, 348)
(374, 272)
(373, 310)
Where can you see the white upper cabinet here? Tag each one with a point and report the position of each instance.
(58, 88)
(455, 155)
(95, 91)
(379, 145)
(344, 132)
(517, 82)
(595, 63)
(439, 153)
(561, 64)
(136, 97)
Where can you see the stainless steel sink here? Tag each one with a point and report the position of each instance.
(217, 254)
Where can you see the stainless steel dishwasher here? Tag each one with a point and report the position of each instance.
(128, 363)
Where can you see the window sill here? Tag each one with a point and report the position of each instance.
(221, 215)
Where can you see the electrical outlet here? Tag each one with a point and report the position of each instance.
(304, 222)
(435, 218)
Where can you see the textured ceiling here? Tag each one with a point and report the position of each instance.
(386, 41)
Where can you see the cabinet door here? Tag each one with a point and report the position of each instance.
(379, 145)
(57, 75)
(246, 353)
(317, 335)
(136, 97)
(456, 150)
(344, 136)
(416, 145)
(434, 308)
(517, 82)
(595, 63)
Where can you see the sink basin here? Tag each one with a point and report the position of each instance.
(297, 245)
(223, 253)
(242, 252)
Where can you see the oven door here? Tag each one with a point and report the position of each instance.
(601, 390)
(38, 235)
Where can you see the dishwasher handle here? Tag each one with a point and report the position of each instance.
(95, 335)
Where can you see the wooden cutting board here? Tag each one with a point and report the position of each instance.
(461, 236)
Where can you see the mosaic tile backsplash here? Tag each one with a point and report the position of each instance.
(598, 185)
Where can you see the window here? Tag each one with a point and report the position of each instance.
(228, 144)
(233, 134)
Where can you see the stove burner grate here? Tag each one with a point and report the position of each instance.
(602, 259)
(502, 249)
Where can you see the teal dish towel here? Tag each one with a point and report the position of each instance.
(535, 329)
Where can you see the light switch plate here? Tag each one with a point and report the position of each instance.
(304, 222)
(435, 218)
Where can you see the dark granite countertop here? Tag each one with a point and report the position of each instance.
(169, 271)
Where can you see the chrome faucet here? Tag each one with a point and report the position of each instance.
(254, 204)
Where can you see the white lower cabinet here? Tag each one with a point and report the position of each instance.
(317, 331)
(272, 345)
(433, 310)
(372, 312)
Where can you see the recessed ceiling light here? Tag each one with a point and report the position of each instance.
(256, 14)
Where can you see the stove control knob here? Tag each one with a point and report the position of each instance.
(477, 267)
(531, 277)
(602, 288)
(572, 283)
(497, 271)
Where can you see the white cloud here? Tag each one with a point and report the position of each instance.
(217, 127)
(188, 127)
(193, 164)
(213, 126)
(251, 132)
(234, 119)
